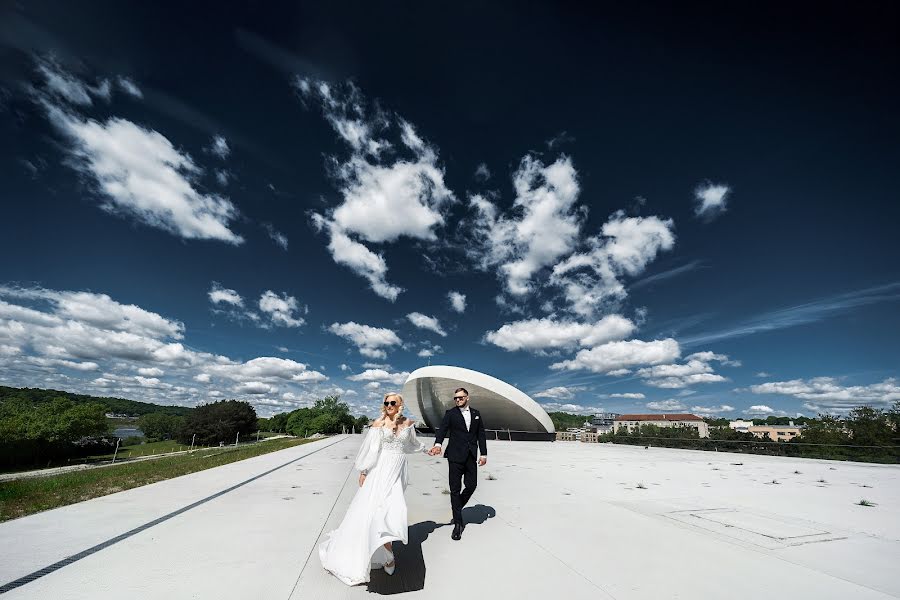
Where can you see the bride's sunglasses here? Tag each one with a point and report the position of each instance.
(391, 403)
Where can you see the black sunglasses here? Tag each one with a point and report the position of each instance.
(460, 397)
(391, 403)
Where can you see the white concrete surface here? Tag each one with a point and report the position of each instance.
(560, 518)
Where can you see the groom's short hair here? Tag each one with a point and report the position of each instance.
(461, 390)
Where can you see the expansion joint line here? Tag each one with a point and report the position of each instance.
(322, 530)
(85, 553)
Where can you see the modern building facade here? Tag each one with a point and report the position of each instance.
(508, 412)
(632, 422)
(741, 425)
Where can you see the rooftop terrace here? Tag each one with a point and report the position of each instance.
(584, 520)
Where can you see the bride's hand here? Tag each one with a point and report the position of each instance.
(362, 479)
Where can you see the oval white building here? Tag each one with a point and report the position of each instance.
(508, 412)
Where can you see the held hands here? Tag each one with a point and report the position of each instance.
(435, 450)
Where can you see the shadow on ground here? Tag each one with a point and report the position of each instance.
(410, 573)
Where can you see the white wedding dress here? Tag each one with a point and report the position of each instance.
(377, 514)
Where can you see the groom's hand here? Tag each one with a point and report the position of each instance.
(435, 450)
(482, 461)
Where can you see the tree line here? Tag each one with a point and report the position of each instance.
(40, 427)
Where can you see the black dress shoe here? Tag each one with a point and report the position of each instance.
(457, 532)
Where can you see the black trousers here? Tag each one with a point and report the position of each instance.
(458, 497)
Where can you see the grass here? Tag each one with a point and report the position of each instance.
(28, 496)
(641, 486)
(865, 502)
(491, 477)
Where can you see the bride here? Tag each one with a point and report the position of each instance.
(377, 514)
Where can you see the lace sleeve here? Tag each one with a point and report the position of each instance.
(368, 452)
(411, 443)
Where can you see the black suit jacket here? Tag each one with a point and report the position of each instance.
(463, 442)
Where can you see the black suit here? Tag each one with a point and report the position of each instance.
(461, 452)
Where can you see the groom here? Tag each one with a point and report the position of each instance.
(467, 437)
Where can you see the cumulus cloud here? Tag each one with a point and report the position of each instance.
(696, 370)
(380, 375)
(540, 335)
(221, 295)
(611, 357)
(625, 246)
(425, 322)
(559, 392)
(378, 181)
(53, 335)
(578, 409)
(482, 173)
(543, 226)
(710, 200)
(137, 172)
(760, 409)
(457, 301)
(712, 410)
(670, 405)
(281, 309)
(369, 341)
(628, 395)
(828, 394)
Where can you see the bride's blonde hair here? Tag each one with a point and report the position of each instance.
(399, 404)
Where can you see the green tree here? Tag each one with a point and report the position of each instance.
(218, 422)
(160, 426)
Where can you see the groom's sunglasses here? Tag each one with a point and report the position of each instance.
(391, 403)
(459, 397)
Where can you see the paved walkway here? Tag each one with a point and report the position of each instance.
(583, 520)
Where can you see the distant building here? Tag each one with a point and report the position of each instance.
(591, 437)
(632, 422)
(741, 425)
(566, 436)
(776, 433)
(603, 422)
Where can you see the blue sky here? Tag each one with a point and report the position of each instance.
(629, 210)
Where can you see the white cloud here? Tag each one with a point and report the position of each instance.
(613, 356)
(666, 405)
(538, 335)
(543, 227)
(138, 172)
(425, 322)
(151, 371)
(457, 301)
(696, 370)
(829, 395)
(129, 87)
(624, 247)
(219, 294)
(578, 409)
(710, 199)
(280, 309)
(219, 147)
(760, 409)
(380, 375)
(712, 410)
(278, 237)
(377, 184)
(141, 174)
(559, 392)
(370, 341)
(629, 395)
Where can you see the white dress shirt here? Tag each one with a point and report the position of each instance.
(467, 415)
